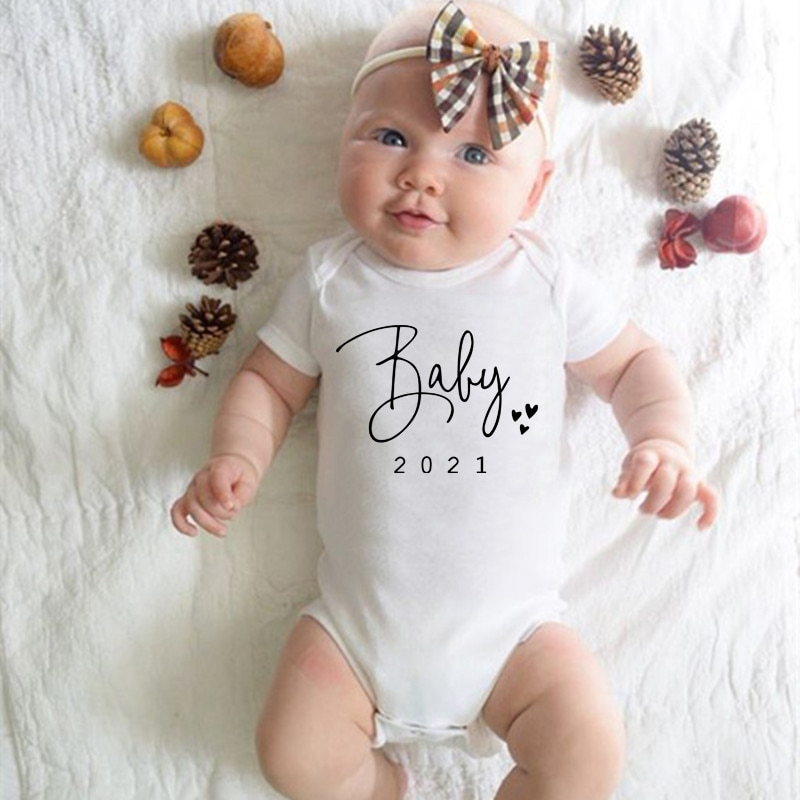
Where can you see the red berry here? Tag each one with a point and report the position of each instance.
(172, 376)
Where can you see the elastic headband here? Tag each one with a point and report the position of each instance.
(368, 67)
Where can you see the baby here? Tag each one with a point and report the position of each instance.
(438, 330)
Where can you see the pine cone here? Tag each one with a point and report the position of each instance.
(691, 155)
(205, 330)
(612, 62)
(223, 253)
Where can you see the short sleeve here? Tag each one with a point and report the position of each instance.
(288, 330)
(593, 316)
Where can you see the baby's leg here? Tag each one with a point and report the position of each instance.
(314, 734)
(553, 707)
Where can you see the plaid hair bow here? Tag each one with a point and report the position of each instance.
(519, 75)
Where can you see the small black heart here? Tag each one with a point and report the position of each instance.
(530, 411)
(523, 429)
(515, 415)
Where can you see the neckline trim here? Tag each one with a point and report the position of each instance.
(441, 277)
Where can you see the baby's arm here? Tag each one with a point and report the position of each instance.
(250, 426)
(651, 401)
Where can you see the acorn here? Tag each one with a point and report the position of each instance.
(245, 48)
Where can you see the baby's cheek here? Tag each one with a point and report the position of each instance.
(356, 197)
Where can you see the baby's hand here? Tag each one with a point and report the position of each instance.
(665, 471)
(216, 494)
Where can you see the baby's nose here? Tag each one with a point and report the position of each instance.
(421, 174)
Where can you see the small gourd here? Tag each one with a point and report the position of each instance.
(172, 138)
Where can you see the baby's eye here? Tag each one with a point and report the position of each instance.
(391, 138)
(474, 154)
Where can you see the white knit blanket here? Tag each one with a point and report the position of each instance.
(133, 660)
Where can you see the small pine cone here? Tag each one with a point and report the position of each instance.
(691, 155)
(612, 62)
(205, 329)
(223, 253)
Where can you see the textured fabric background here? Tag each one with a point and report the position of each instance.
(133, 660)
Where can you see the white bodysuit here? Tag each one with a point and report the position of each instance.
(442, 482)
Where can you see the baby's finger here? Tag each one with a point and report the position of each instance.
(637, 470)
(682, 496)
(660, 489)
(205, 520)
(710, 501)
(206, 492)
(178, 514)
(621, 488)
(220, 486)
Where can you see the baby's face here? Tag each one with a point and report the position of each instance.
(426, 199)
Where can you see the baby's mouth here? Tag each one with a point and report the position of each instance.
(414, 220)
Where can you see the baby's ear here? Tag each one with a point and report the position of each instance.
(542, 179)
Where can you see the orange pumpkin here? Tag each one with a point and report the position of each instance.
(246, 49)
(172, 138)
